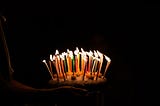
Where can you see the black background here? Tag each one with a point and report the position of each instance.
(34, 31)
(151, 48)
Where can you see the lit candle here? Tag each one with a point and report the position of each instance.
(86, 62)
(96, 56)
(76, 60)
(85, 65)
(101, 62)
(82, 59)
(65, 61)
(53, 58)
(50, 65)
(50, 62)
(73, 64)
(44, 61)
(82, 62)
(90, 60)
(62, 66)
(108, 63)
(70, 60)
(57, 63)
(68, 64)
(53, 61)
(94, 62)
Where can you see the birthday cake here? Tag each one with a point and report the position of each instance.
(80, 69)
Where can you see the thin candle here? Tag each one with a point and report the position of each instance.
(94, 62)
(50, 66)
(83, 62)
(82, 59)
(51, 57)
(65, 61)
(76, 60)
(70, 60)
(56, 65)
(98, 63)
(108, 63)
(95, 66)
(91, 62)
(96, 55)
(101, 62)
(56, 61)
(73, 63)
(90, 58)
(53, 61)
(44, 61)
(85, 65)
(62, 66)
(51, 69)
(50, 62)
(88, 61)
(79, 62)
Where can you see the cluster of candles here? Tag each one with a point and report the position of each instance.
(71, 65)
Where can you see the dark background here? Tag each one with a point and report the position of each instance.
(35, 31)
(151, 44)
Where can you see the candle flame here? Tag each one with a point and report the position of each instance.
(77, 49)
(88, 53)
(83, 53)
(91, 52)
(107, 58)
(76, 52)
(54, 57)
(82, 50)
(85, 58)
(44, 61)
(51, 57)
(57, 52)
(68, 51)
(99, 53)
(95, 54)
(64, 54)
